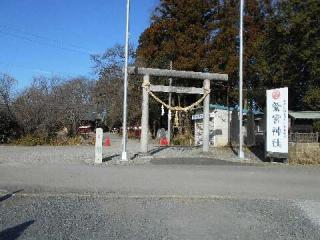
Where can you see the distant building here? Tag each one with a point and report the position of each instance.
(90, 122)
(302, 121)
(224, 125)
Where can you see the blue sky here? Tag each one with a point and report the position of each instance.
(55, 37)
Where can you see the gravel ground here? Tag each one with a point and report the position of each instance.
(101, 217)
(42, 155)
(312, 209)
(84, 154)
(222, 153)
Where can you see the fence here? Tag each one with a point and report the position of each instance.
(304, 137)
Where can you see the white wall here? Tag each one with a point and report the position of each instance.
(219, 128)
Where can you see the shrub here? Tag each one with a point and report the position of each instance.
(29, 140)
(184, 140)
(316, 126)
(75, 140)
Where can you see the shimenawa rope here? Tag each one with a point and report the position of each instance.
(176, 108)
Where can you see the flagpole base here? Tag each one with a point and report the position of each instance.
(124, 157)
(241, 155)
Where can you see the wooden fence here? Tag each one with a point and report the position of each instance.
(304, 137)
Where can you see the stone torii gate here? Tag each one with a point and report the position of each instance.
(147, 72)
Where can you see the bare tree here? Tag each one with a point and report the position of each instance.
(109, 87)
(33, 108)
(6, 86)
(50, 104)
(74, 100)
(8, 124)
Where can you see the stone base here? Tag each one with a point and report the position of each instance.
(123, 162)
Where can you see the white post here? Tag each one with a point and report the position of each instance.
(206, 117)
(125, 87)
(98, 146)
(145, 117)
(240, 154)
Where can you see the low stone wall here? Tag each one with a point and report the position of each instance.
(304, 153)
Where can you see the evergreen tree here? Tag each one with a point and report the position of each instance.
(291, 52)
(282, 40)
(204, 36)
(225, 54)
(180, 31)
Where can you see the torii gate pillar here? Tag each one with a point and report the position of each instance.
(206, 117)
(145, 116)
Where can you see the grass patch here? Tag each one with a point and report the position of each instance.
(34, 140)
(304, 153)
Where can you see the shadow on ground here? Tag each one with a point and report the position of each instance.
(109, 158)
(233, 149)
(196, 161)
(161, 148)
(258, 151)
(156, 150)
(9, 195)
(16, 231)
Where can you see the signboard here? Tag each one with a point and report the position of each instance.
(277, 122)
(200, 116)
(98, 145)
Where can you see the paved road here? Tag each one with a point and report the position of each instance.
(98, 217)
(77, 201)
(249, 182)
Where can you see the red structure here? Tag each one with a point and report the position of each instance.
(107, 143)
(164, 142)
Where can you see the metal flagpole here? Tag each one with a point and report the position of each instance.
(125, 92)
(241, 154)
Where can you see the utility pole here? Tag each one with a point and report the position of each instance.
(125, 92)
(240, 154)
(169, 111)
